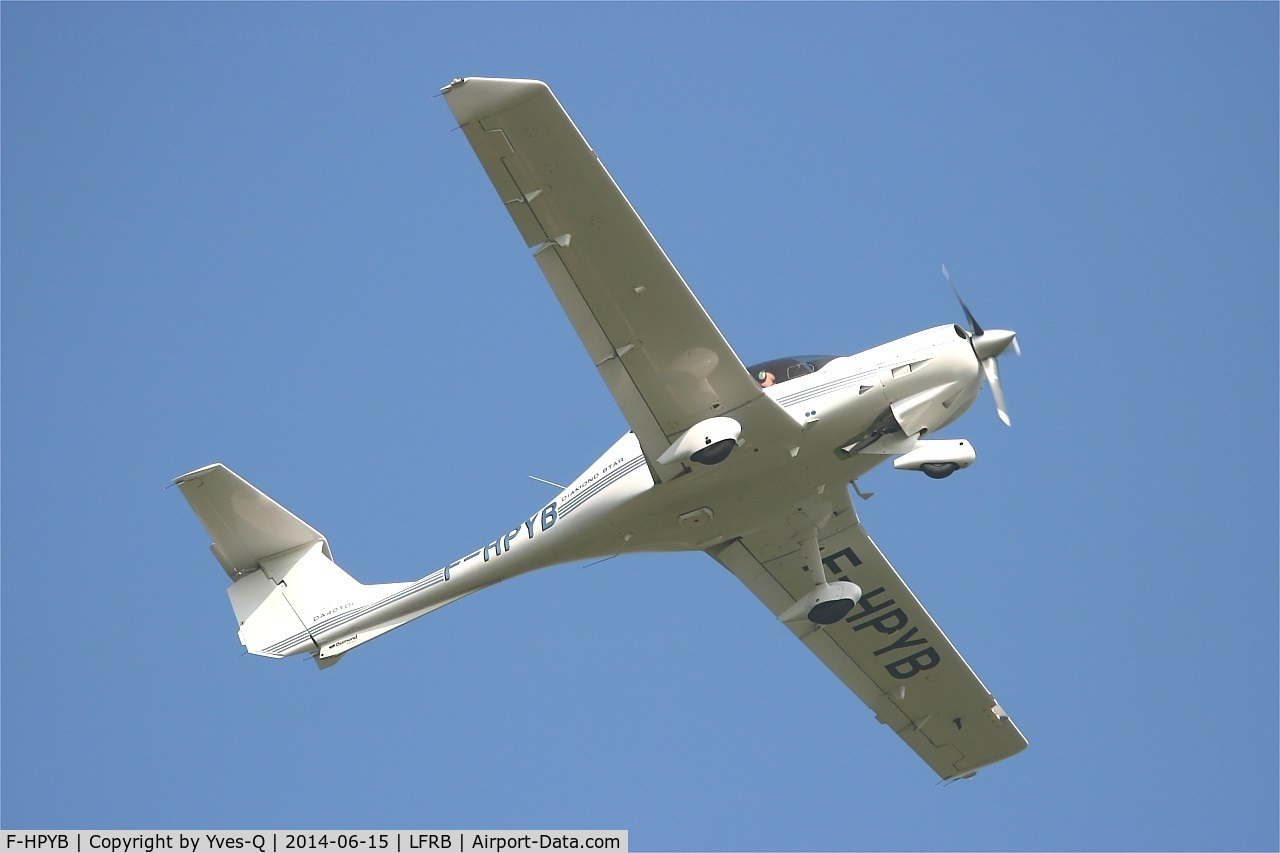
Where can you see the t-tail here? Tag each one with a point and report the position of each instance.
(288, 594)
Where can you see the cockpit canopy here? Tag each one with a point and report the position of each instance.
(777, 370)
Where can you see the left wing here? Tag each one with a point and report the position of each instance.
(888, 650)
(662, 357)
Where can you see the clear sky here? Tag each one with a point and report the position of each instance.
(247, 233)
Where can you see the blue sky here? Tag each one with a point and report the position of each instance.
(246, 233)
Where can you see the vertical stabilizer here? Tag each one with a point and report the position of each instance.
(288, 595)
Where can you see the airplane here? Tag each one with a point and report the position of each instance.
(750, 464)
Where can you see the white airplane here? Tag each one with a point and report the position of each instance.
(750, 464)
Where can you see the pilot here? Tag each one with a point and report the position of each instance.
(765, 378)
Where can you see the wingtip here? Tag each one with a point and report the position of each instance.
(472, 98)
(191, 475)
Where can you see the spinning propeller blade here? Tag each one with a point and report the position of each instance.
(973, 321)
(992, 371)
(987, 346)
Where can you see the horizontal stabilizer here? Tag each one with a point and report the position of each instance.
(246, 525)
(288, 595)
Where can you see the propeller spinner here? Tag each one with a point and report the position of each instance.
(988, 344)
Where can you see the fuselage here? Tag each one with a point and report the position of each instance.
(613, 506)
(899, 390)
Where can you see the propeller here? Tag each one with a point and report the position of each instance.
(988, 345)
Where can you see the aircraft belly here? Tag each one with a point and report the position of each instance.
(748, 491)
(614, 507)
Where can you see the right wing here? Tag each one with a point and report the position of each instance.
(888, 650)
(661, 356)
